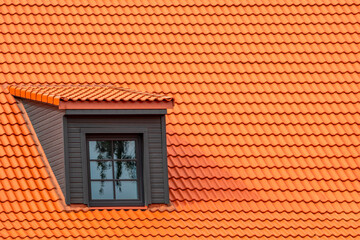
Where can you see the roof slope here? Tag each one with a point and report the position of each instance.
(263, 141)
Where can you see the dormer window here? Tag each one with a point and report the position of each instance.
(106, 145)
(115, 166)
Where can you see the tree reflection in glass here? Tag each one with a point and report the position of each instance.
(107, 190)
(100, 170)
(122, 158)
(124, 169)
(129, 190)
(101, 150)
(124, 149)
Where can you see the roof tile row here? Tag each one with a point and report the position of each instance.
(205, 83)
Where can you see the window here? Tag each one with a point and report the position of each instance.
(115, 170)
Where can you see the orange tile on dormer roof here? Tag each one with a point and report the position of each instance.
(53, 94)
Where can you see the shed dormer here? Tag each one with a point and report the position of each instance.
(106, 145)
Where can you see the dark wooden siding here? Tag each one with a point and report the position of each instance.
(159, 192)
(47, 121)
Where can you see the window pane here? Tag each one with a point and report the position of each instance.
(126, 190)
(100, 149)
(124, 149)
(102, 190)
(101, 170)
(125, 170)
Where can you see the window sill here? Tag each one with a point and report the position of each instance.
(78, 207)
(119, 208)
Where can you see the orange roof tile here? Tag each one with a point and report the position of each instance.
(53, 94)
(263, 142)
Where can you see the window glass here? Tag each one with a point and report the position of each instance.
(113, 168)
(100, 149)
(124, 150)
(125, 170)
(126, 190)
(102, 190)
(101, 170)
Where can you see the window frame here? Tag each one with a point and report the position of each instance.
(139, 170)
(143, 134)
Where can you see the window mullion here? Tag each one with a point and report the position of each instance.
(113, 168)
(138, 167)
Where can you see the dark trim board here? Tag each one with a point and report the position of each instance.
(116, 105)
(164, 162)
(117, 112)
(67, 165)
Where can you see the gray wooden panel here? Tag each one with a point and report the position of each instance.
(159, 189)
(47, 121)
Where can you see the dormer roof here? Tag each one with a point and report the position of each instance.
(91, 96)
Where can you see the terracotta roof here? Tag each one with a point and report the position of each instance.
(263, 142)
(53, 94)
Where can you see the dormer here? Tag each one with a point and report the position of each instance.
(106, 145)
